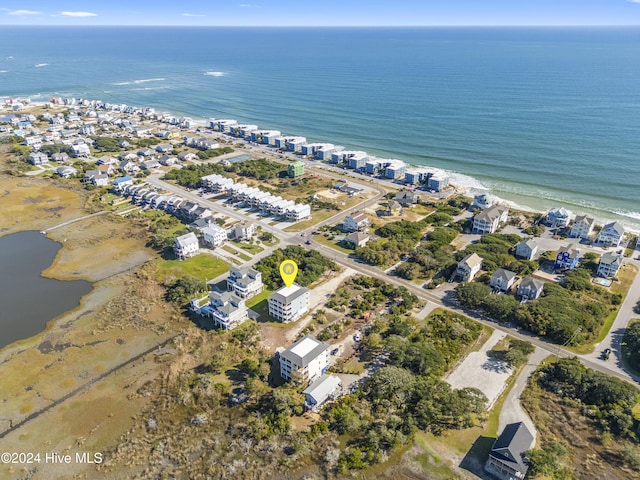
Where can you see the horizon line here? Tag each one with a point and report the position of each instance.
(329, 26)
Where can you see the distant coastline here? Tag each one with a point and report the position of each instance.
(462, 183)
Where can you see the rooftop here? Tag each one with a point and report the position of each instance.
(305, 350)
(288, 294)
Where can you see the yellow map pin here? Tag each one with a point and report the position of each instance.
(288, 271)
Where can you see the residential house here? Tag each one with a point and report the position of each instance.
(507, 459)
(127, 166)
(468, 267)
(150, 164)
(558, 217)
(490, 219)
(481, 201)
(357, 222)
(38, 158)
(407, 199)
(298, 211)
(214, 235)
(244, 231)
(226, 309)
(611, 235)
(100, 180)
(164, 148)
(186, 246)
(530, 288)
(393, 209)
(437, 182)
(289, 303)
(66, 171)
(187, 156)
(502, 280)
(568, 257)
(357, 239)
(582, 227)
(121, 182)
(527, 249)
(321, 390)
(168, 160)
(246, 282)
(81, 150)
(61, 157)
(295, 169)
(305, 360)
(609, 265)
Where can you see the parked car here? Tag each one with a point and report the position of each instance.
(605, 354)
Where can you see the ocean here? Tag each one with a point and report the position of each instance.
(539, 117)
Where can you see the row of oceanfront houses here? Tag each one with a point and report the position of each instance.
(491, 217)
(335, 154)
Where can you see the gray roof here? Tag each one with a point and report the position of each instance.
(610, 258)
(530, 243)
(491, 213)
(322, 387)
(471, 260)
(357, 237)
(285, 299)
(225, 302)
(187, 239)
(510, 446)
(583, 218)
(615, 226)
(309, 355)
(531, 283)
(504, 274)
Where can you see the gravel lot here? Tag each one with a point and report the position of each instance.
(479, 371)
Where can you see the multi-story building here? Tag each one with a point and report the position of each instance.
(186, 246)
(295, 169)
(582, 227)
(358, 222)
(305, 360)
(289, 303)
(507, 459)
(568, 257)
(468, 267)
(610, 235)
(609, 264)
(226, 309)
(214, 235)
(489, 220)
(245, 282)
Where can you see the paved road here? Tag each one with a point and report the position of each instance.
(348, 261)
(614, 337)
(512, 410)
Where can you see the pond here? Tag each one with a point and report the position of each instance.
(27, 299)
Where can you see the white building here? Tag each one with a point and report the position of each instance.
(582, 227)
(609, 265)
(527, 249)
(489, 220)
(558, 217)
(357, 222)
(245, 282)
(214, 235)
(320, 391)
(244, 231)
(297, 212)
(289, 303)
(186, 246)
(305, 360)
(610, 235)
(468, 267)
(226, 309)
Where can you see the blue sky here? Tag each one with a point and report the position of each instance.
(320, 12)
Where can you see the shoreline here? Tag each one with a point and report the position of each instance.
(463, 184)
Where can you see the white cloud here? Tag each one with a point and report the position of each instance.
(193, 15)
(24, 12)
(78, 14)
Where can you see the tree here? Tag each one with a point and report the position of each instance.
(472, 294)
(185, 288)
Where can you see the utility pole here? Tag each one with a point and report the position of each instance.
(575, 334)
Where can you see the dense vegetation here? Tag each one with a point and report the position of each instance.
(213, 152)
(558, 314)
(495, 248)
(261, 169)
(398, 239)
(311, 266)
(431, 256)
(184, 289)
(516, 353)
(407, 394)
(631, 343)
(362, 294)
(606, 400)
(106, 144)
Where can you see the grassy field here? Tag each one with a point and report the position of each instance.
(332, 244)
(203, 266)
(249, 247)
(261, 297)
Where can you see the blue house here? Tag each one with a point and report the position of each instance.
(568, 257)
